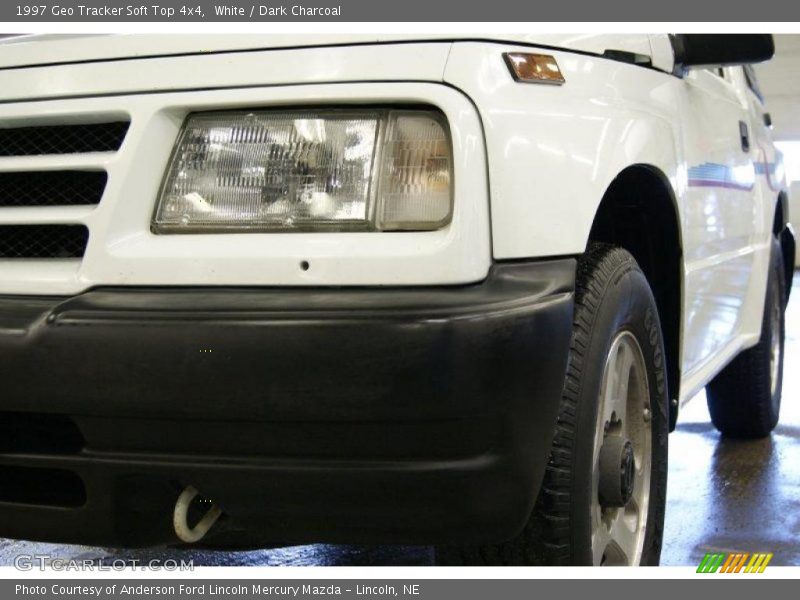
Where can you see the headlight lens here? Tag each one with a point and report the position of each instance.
(334, 170)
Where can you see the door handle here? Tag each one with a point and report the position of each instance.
(744, 135)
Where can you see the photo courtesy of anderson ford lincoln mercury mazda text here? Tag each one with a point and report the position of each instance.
(272, 290)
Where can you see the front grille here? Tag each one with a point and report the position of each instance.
(62, 139)
(52, 188)
(43, 241)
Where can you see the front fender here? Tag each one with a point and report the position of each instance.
(554, 150)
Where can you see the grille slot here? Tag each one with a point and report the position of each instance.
(41, 486)
(62, 139)
(43, 241)
(52, 188)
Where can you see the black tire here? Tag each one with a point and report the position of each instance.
(742, 399)
(612, 296)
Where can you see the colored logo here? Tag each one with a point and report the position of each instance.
(735, 562)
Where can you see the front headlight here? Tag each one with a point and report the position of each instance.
(323, 170)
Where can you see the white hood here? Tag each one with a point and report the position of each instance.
(34, 50)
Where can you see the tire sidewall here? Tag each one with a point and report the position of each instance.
(626, 304)
(775, 294)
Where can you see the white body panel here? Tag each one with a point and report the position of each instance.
(51, 49)
(532, 164)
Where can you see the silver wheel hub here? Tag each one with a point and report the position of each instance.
(622, 456)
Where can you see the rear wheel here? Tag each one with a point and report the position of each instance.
(744, 399)
(604, 491)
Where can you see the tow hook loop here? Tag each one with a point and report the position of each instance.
(194, 534)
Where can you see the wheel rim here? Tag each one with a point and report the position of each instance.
(618, 526)
(775, 348)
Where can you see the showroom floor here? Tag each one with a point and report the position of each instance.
(723, 496)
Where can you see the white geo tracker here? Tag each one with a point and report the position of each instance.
(267, 290)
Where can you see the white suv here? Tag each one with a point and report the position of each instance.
(407, 289)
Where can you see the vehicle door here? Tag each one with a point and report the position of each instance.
(718, 216)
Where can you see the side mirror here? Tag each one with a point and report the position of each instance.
(720, 50)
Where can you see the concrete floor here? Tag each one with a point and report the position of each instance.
(724, 496)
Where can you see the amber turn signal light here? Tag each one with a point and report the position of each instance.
(533, 68)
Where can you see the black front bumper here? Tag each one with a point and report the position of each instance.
(413, 415)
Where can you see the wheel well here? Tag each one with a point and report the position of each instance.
(638, 213)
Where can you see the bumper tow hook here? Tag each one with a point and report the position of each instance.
(194, 534)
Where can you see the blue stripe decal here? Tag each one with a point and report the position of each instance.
(722, 176)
